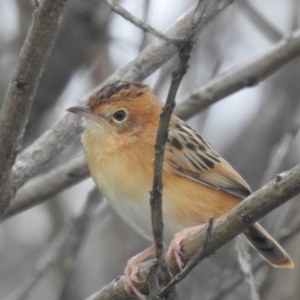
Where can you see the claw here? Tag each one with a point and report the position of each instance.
(175, 246)
(131, 271)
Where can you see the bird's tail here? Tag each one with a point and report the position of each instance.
(267, 247)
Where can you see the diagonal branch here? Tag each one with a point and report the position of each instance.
(284, 187)
(247, 74)
(44, 186)
(52, 142)
(277, 157)
(139, 23)
(22, 88)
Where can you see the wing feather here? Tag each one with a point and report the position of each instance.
(191, 156)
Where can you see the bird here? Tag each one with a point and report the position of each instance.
(120, 132)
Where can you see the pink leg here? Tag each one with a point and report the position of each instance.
(175, 246)
(132, 270)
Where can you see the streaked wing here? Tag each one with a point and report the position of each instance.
(191, 156)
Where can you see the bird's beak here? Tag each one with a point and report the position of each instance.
(84, 111)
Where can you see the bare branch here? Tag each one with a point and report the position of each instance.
(247, 74)
(22, 88)
(52, 142)
(162, 134)
(156, 194)
(277, 156)
(44, 186)
(64, 248)
(257, 205)
(137, 22)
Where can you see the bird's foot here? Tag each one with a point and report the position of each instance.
(132, 269)
(175, 246)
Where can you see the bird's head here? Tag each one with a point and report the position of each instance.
(120, 108)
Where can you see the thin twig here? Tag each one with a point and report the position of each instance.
(22, 88)
(162, 134)
(63, 249)
(256, 206)
(192, 263)
(139, 23)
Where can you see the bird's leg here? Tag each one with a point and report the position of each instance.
(175, 246)
(132, 270)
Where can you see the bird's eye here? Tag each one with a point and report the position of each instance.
(119, 116)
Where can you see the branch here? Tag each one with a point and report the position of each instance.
(64, 248)
(22, 88)
(258, 204)
(153, 57)
(247, 74)
(44, 186)
(156, 193)
(162, 134)
(139, 23)
(276, 158)
(52, 142)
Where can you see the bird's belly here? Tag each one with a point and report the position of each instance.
(137, 214)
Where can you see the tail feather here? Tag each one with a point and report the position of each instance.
(268, 247)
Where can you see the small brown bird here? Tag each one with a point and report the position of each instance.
(121, 127)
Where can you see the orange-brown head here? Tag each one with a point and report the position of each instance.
(121, 107)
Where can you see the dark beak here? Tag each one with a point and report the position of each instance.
(84, 111)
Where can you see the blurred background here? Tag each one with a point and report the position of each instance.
(248, 129)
